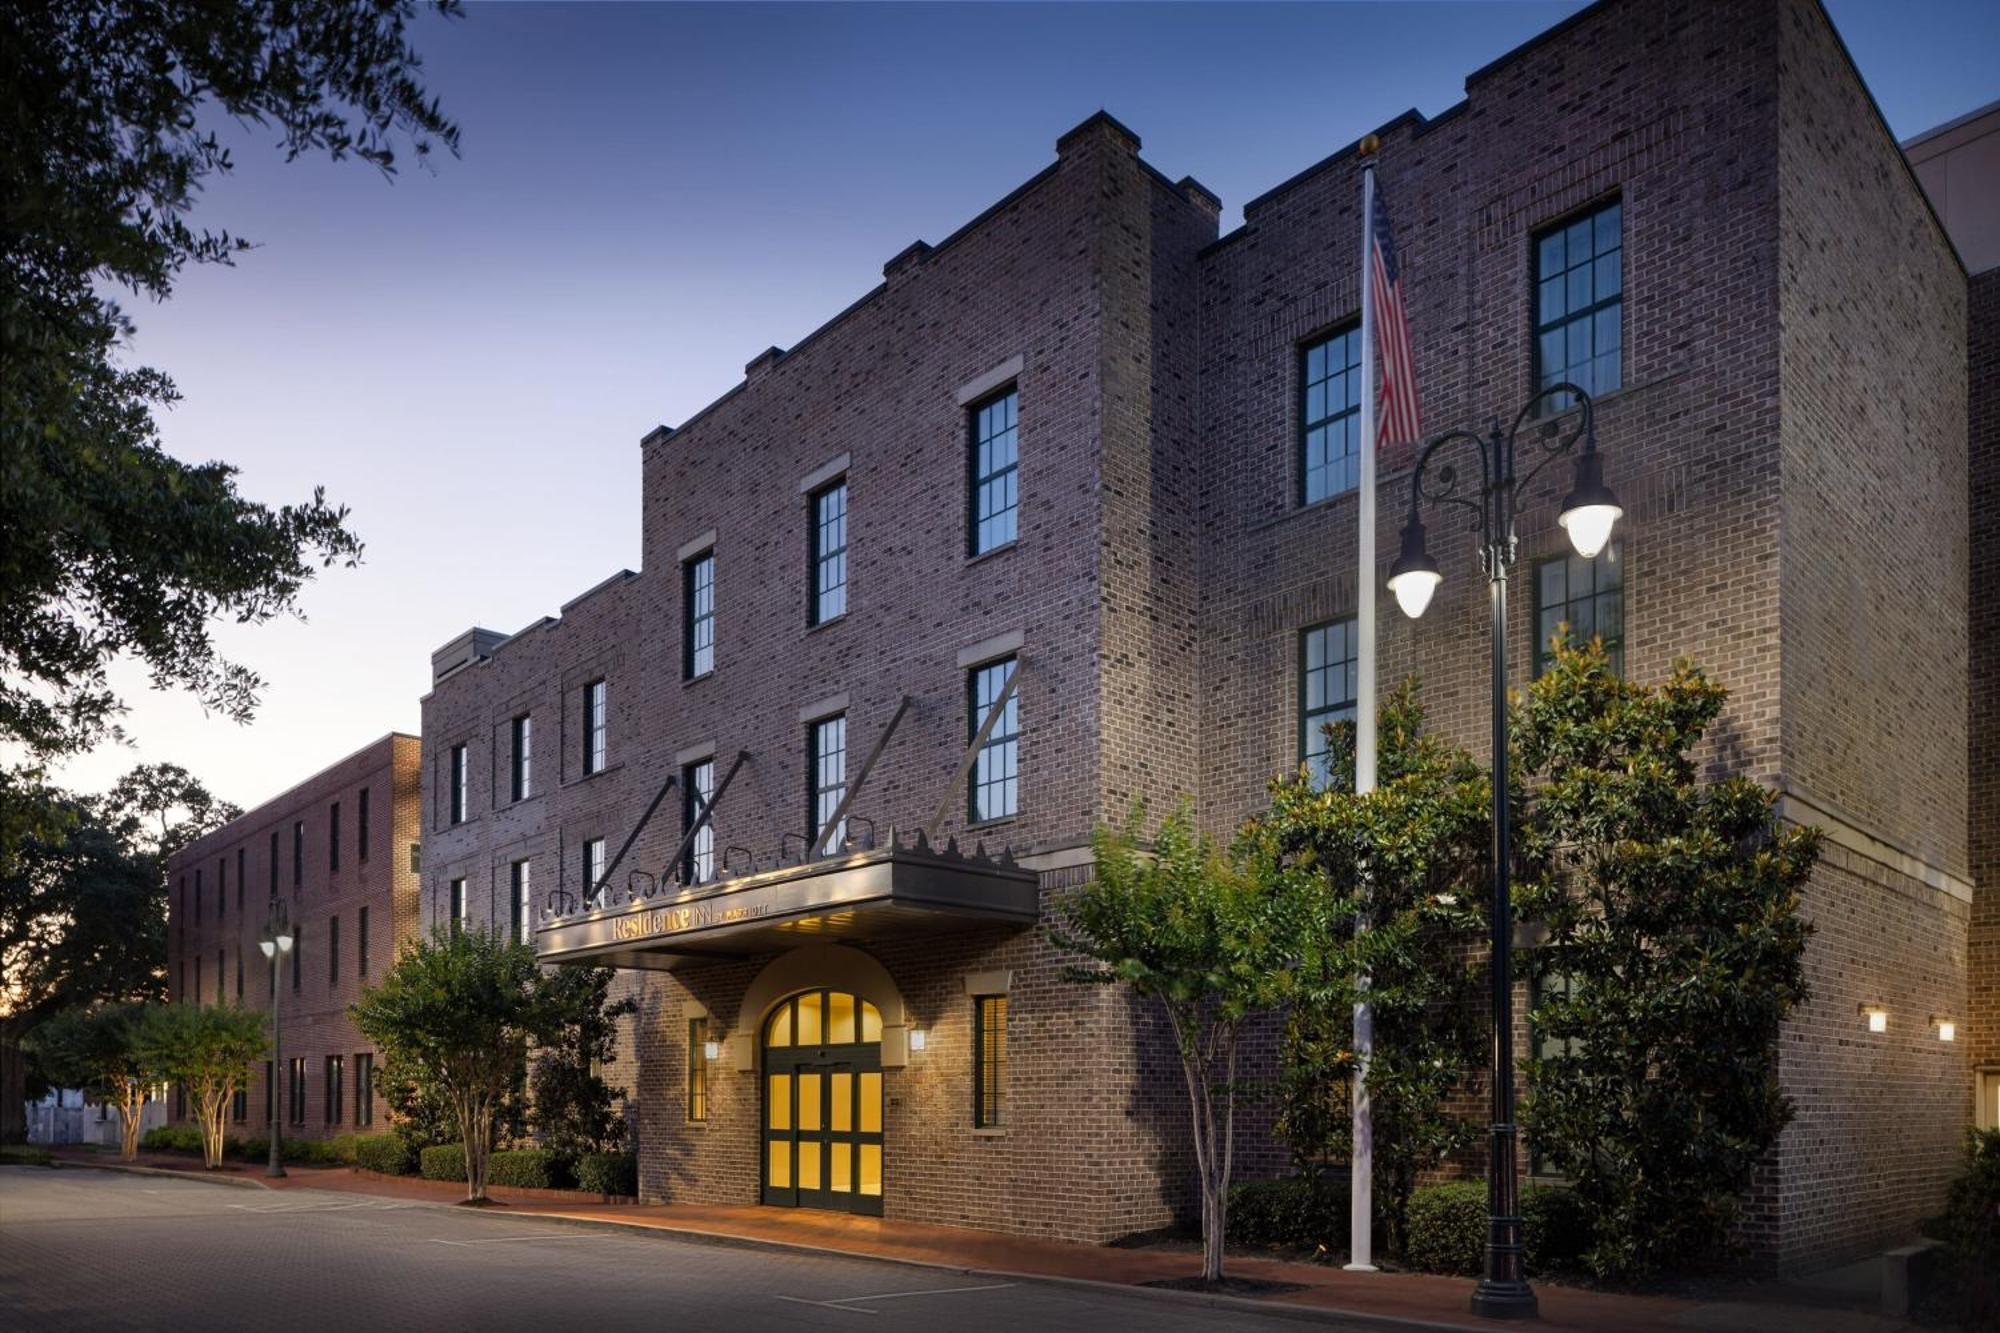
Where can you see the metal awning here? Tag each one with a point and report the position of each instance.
(897, 890)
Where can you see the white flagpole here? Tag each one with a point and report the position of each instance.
(1361, 1197)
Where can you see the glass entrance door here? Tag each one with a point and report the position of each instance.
(823, 1104)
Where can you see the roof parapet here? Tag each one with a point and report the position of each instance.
(1101, 125)
(907, 258)
(762, 362)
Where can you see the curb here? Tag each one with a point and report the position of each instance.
(202, 1178)
(1234, 1304)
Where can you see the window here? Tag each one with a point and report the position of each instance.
(239, 1106)
(333, 837)
(522, 896)
(298, 852)
(593, 868)
(457, 906)
(298, 953)
(360, 827)
(274, 863)
(333, 1088)
(239, 881)
(989, 1061)
(221, 887)
(364, 1088)
(1545, 985)
(1586, 595)
(361, 938)
(594, 727)
(829, 553)
(697, 790)
(455, 813)
(333, 951)
(1326, 692)
(697, 1069)
(239, 973)
(197, 897)
(1330, 416)
(1579, 298)
(416, 857)
(995, 459)
(523, 784)
(221, 975)
(826, 776)
(698, 616)
(197, 980)
(995, 792)
(296, 1094)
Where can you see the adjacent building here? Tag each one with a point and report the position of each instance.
(339, 853)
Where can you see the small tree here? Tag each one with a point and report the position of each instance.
(208, 1050)
(97, 1050)
(1209, 939)
(1408, 860)
(1675, 951)
(574, 1110)
(455, 1014)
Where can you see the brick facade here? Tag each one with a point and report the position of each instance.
(220, 890)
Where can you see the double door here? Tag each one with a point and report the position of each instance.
(823, 1127)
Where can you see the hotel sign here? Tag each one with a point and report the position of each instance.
(674, 920)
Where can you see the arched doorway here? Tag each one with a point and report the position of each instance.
(823, 1103)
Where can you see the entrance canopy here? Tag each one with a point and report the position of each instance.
(881, 893)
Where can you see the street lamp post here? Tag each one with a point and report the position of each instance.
(276, 942)
(1587, 514)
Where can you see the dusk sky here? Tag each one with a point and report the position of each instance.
(649, 195)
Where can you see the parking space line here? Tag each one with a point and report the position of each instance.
(502, 1240)
(849, 1304)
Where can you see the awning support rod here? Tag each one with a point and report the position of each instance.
(631, 838)
(701, 815)
(972, 753)
(839, 815)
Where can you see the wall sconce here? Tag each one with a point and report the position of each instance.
(1946, 1029)
(1878, 1017)
(918, 1037)
(711, 1050)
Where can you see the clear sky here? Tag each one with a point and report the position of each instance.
(649, 195)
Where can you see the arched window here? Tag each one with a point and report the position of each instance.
(823, 1018)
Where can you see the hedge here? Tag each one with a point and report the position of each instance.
(386, 1153)
(1306, 1212)
(25, 1154)
(525, 1168)
(444, 1161)
(608, 1173)
(171, 1138)
(1447, 1228)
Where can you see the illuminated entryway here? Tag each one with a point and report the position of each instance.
(823, 1103)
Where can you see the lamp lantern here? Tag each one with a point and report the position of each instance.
(1589, 510)
(1415, 576)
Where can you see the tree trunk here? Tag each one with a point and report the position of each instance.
(209, 1105)
(131, 1107)
(476, 1129)
(13, 1081)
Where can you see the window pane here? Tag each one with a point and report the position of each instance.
(839, 1020)
(871, 1162)
(1326, 691)
(779, 1111)
(810, 1013)
(1329, 416)
(871, 1022)
(781, 1164)
(871, 1103)
(780, 1031)
(995, 457)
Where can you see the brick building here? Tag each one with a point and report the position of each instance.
(1062, 515)
(340, 851)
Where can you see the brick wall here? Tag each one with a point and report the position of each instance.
(1982, 1035)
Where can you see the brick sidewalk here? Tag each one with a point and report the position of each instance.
(1424, 1299)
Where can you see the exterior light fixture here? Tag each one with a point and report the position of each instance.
(1414, 576)
(918, 1039)
(1590, 508)
(1878, 1017)
(711, 1050)
(276, 941)
(1946, 1029)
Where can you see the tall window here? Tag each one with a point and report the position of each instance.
(829, 552)
(457, 906)
(298, 852)
(197, 897)
(593, 868)
(334, 1080)
(698, 616)
(1579, 298)
(523, 783)
(240, 862)
(333, 837)
(826, 775)
(295, 1095)
(697, 790)
(360, 828)
(274, 863)
(995, 458)
(221, 975)
(995, 792)
(595, 734)
(697, 1069)
(333, 951)
(298, 953)
(989, 1061)
(521, 893)
(364, 1088)
(361, 938)
(239, 1106)
(221, 887)
(456, 812)
(1326, 692)
(239, 976)
(1586, 595)
(197, 979)
(1330, 416)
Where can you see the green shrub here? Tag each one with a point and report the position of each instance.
(525, 1168)
(1969, 1287)
(171, 1138)
(1448, 1228)
(443, 1161)
(25, 1154)
(254, 1149)
(386, 1153)
(1307, 1212)
(608, 1173)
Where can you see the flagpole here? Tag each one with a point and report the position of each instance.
(1361, 1194)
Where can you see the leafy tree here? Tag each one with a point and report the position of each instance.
(574, 1110)
(172, 798)
(455, 1015)
(1409, 859)
(97, 1050)
(1207, 937)
(208, 1050)
(1675, 951)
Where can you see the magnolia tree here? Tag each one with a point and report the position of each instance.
(1675, 950)
(208, 1050)
(1208, 938)
(97, 1050)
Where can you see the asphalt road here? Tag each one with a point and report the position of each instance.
(85, 1251)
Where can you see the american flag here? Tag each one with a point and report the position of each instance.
(1399, 419)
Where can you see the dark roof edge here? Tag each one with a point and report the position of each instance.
(1411, 117)
(1554, 30)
